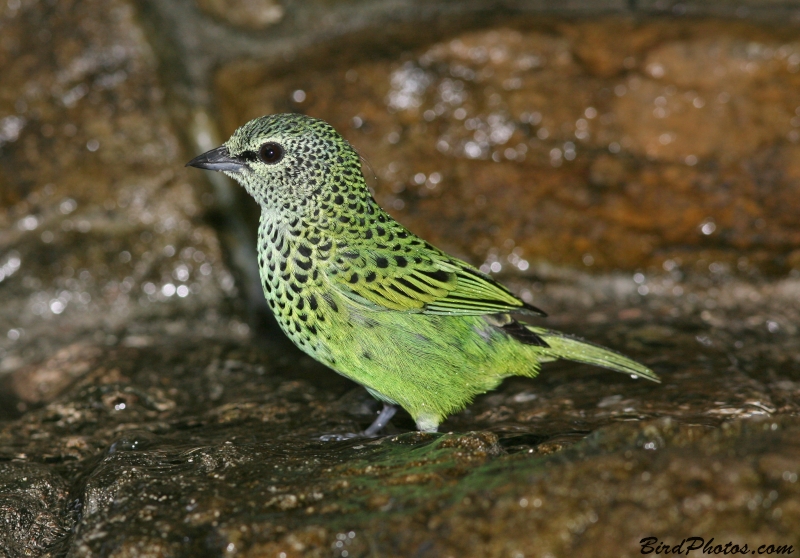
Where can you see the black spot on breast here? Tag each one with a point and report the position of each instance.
(370, 277)
(304, 250)
(368, 234)
(366, 355)
(325, 247)
(301, 304)
(312, 301)
(380, 230)
(301, 277)
(305, 265)
(354, 278)
(338, 200)
(401, 261)
(381, 262)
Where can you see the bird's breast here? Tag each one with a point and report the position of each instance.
(294, 286)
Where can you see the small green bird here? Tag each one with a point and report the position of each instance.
(357, 291)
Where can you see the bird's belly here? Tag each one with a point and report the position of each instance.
(428, 364)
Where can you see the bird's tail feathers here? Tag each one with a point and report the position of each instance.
(573, 348)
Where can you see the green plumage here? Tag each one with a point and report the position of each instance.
(357, 291)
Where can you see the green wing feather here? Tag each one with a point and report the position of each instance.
(415, 277)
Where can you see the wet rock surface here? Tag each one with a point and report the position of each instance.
(244, 13)
(144, 413)
(211, 447)
(33, 504)
(99, 224)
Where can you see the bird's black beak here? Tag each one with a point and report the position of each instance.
(218, 159)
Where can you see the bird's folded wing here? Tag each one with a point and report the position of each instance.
(420, 281)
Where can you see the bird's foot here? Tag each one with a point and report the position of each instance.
(377, 425)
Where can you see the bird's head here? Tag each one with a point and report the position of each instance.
(288, 162)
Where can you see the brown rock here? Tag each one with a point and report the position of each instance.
(46, 381)
(250, 14)
(98, 220)
(606, 143)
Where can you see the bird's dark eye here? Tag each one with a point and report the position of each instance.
(270, 153)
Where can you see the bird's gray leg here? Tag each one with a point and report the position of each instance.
(377, 425)
(383, 419)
